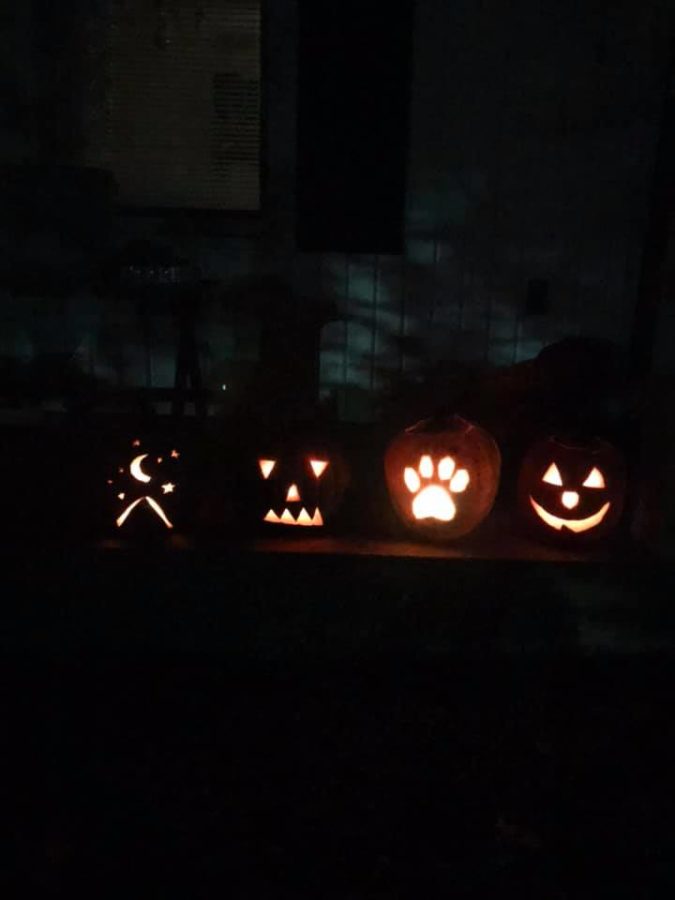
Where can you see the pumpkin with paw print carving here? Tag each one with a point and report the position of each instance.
(442, 476)
(572, 491)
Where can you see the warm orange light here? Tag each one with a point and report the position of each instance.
(151, 503)
(434, 501)
(266, 466)
(445, 468)
(136, 443)
(575, 525)
(595, 479)
(121, 496)
(286, 518)
(319, 466)
(570, 499)
(127, 512)
(426, 467)
(168, 488)
(136, 470)
(460, 482)
(552, 476)
(293, 494)
(175, 454)
(412, 480)
(160, 512)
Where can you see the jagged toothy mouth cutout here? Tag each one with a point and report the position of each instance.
(287, 518)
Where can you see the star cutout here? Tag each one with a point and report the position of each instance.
(136, 443)
(175, 454)
(168, 488)
(121, 496)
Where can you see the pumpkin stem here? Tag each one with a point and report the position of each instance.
(440, 422)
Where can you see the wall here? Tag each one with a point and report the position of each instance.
(531, 142)
(532, 138)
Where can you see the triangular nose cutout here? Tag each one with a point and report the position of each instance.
(293, 493)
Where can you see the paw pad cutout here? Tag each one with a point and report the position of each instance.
(433, 487)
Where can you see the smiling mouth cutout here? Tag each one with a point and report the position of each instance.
(575, 525)
(287, 518)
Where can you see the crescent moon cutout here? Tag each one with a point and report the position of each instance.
(137, 471)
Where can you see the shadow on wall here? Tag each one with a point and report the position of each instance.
(526, 201)
(413, 329)
(283, 380)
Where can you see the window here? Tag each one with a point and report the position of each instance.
(180, 120)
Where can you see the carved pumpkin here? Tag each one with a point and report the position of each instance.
(301, 483)
(145, 487)
(443, 476)
(572, 492)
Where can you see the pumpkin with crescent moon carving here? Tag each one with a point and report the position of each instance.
(145, 487)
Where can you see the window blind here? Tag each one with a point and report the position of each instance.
(181, 120)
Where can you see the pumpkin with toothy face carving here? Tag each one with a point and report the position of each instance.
(572, 491)
(301, 482)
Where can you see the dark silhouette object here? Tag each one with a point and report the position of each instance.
(160, 282)
(585, 384)
(657, 236)
(353, 88)
(576, 368)
(537, 300)
(578, 384)
(286, 383)
(55, 223)
(70, 207)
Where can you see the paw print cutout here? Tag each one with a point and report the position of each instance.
(434, 486)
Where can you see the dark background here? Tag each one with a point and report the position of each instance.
(449, 188)
(518, 145)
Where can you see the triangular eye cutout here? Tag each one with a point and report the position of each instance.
(595, 479)
(319, 466)
(552, 476)
(266, 466)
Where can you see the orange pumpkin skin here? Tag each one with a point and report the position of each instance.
(442, 476)
(572, 492)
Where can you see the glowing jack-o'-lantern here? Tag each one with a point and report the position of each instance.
(572, 492)
(144, 487)
(443, 476)
(300, 484)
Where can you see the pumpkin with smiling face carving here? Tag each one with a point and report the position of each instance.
(301, 483)
(572, 491)
(442, 476)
